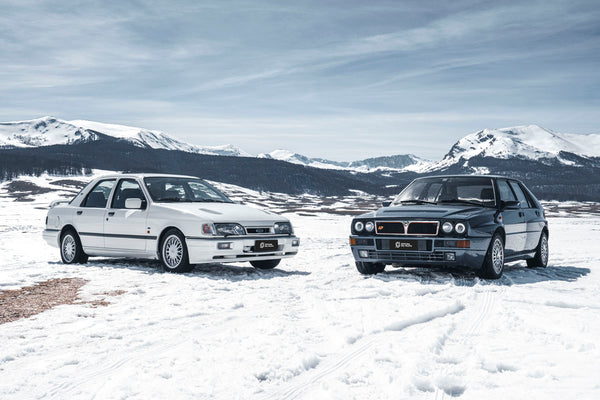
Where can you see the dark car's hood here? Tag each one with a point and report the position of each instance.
(428, 211)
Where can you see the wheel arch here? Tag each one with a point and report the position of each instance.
(502, 233)
(162, 235)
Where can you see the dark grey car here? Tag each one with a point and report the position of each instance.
(479, 222)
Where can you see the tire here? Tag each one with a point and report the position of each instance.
(266, 264)
(173, 252)
(369, 268)
(71, 250)
(493, 263)
(540, 260)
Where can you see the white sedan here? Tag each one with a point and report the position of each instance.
(180, 220)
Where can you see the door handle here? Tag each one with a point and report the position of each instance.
(79, 212)
(111, 213)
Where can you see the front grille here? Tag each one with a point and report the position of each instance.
(389, 228)
(259, 230)
(406, 255)
(423, 228)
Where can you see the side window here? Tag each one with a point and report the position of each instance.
(520, 195)
(127, 189)
(506, 193)
(98, 197)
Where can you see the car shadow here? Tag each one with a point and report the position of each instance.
(215, 271)
(513, 275)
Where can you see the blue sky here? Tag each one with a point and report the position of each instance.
(338, 79)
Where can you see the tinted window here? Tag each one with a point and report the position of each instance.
(520, 195)
(177, 189)
(474, 190)
(506, 194)
(127, 189)
(98, 197)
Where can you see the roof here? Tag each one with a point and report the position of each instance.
(144, 175)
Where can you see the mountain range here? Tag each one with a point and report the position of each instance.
(556, 165)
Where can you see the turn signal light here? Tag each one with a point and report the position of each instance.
(352, 242)
(463, 244)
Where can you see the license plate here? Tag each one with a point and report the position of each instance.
(404, 245)
(265, 245)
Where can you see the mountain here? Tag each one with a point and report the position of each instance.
(401, 162)
(48, 131)
(529, 142)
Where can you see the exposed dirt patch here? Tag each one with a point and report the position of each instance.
(26, 188)
(32, 300)
(69, 183)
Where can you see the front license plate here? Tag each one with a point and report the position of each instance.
(265, 245)
(404, 245)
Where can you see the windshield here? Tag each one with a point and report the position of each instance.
(461, 190)
(177, 189)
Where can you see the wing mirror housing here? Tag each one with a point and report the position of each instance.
(386, 203)
(510, 204)
(133, 203)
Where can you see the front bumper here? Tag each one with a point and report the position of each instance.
(206, 250)
(438, 252)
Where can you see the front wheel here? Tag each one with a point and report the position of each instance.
(540, 260)
(71, 250)
(493, 264)
(369, 268)
(265, 264)
(174, 253)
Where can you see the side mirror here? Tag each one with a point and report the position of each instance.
(386, 203)
(511, 204)
(133, 203)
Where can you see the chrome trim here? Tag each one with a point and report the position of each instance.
(437, 228)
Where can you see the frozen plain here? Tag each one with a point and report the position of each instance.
(311, 329)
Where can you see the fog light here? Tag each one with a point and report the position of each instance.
(224, 246)
(363, 254)
(295, 242)
(450, 256)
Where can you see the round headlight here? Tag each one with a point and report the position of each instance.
(447, 227)
(358, 226)
(369, 226)
(460, 228)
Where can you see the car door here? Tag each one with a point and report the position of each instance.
(89, 216)
(513, 219)
(125, 230)
(532, 216)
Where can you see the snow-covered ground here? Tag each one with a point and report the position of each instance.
(311, 329)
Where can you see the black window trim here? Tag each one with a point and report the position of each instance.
(114, 192)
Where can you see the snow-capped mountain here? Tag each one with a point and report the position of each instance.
(48, 131)
(401, 162)
(528, 142)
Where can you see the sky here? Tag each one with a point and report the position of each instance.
(343, 80)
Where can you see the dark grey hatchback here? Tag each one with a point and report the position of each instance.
(479, 222)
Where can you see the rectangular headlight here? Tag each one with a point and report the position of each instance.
(229, 229)
(283, 228)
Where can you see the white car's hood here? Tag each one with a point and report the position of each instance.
(225, 212)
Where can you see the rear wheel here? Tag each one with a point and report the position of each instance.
(173, 252)
(541, 254)
(265, 264)
(493, 264)
(369, 268)
(71, 251)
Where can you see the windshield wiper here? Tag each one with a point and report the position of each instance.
(418, 201)
(210, 201)
(462, 201)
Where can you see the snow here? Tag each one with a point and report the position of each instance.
(313, 328)
(49, 131)
(528, 141)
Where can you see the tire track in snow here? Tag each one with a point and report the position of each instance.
(360, 347)
(483, 307)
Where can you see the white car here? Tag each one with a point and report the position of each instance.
(180, 220)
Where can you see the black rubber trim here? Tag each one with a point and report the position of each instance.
(114, 235)
(52, 230)
(225, 238)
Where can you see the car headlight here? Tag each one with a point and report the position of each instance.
(369, 226)
(283, 228)
(358, 226)
(229, 229)
(447, 227)
(460, 228)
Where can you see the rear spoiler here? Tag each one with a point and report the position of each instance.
(57, 202)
